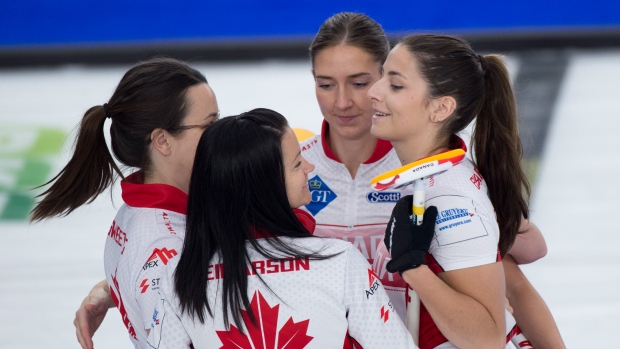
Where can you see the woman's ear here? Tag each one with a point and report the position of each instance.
(443, 108)
(160, 141)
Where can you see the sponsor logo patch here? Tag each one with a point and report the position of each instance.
(379, 197)
(146, 283)
(373, 283)
(458, 216)
(163, 255)
(476, 178)
(385, 314)
(322, 195)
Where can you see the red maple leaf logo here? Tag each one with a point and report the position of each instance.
(263, 334)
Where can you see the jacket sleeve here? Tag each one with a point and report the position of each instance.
(373, 322)
(167, 331)
(162, 254)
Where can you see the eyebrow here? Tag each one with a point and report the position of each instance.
(395, 73)
(353, 76)
(214, 114)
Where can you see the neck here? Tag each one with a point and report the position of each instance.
(162, 178)
(413, 149)
(352, 152)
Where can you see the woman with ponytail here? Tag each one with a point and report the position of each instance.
(432, 88)
(157, 114)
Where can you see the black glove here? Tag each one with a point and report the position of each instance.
(406, 242)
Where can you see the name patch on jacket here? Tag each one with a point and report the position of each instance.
(322, 195)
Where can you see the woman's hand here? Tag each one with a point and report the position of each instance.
(408, 243)
(91, 313)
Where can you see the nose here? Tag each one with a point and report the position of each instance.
(372, 93)
(343, 100)
(309, 167)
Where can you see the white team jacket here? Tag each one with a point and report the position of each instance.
(346, 208)
(466, 235)
(330, 303)
(146, 235)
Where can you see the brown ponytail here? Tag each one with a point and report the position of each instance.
(499, 151)
(150, 95)
(481, 87)
(89, 172)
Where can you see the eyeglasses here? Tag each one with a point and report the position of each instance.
(188, 127)
(203, 126)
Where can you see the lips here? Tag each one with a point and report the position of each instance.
(380, 114)
(346, 118)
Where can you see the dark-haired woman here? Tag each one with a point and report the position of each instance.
(251, 273)
(432, 88)
(157, 114)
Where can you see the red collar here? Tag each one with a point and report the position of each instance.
(163, 196)
(381, 149)
(166, 197)
(305, 219)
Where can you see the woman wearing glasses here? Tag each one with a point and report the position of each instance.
(157, 113)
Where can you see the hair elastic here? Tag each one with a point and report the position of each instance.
(107, 111)
(483, 63)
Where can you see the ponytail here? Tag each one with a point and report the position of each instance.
(498, 151)
(151, 95)
(89, 172)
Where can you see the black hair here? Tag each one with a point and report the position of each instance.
(237, 189)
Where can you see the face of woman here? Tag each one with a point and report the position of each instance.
(343, 74)
(296, 170)
(202, 110)
(399, 99)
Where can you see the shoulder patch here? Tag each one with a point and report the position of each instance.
(457, 220)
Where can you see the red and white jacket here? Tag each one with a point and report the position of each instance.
(346, 208)
(298, 303)
(466, 235)
(146, 235)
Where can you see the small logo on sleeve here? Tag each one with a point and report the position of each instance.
(476, 178)
(163, 255)
(385, 314)
(373, 283)
(146, 283)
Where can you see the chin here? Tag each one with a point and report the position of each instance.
(375, 131)
(306, 200)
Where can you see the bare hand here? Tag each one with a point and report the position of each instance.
(90, 315)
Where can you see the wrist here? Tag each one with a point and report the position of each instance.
(412, 266)
(414, 276)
